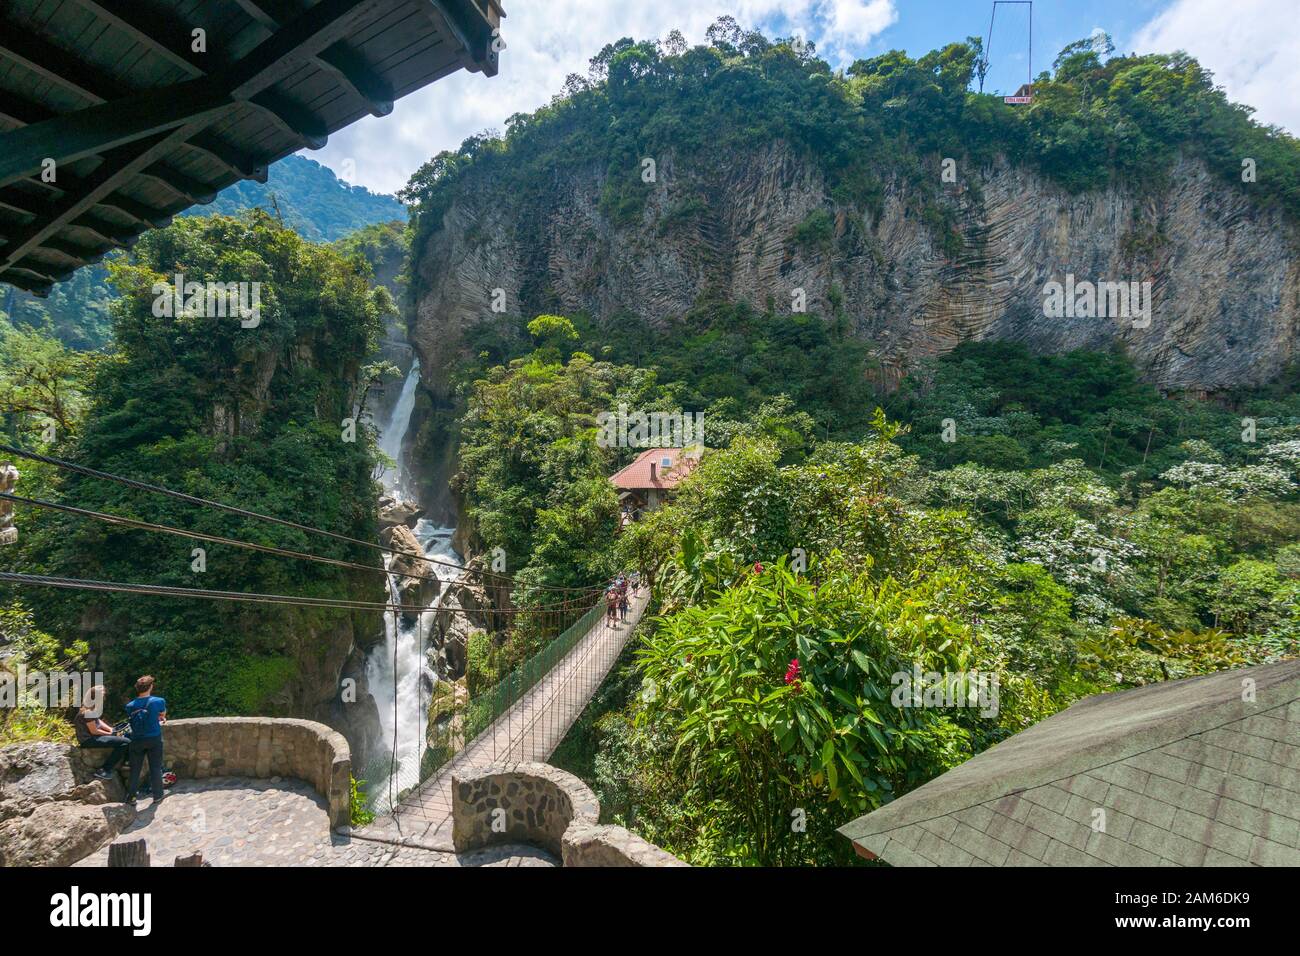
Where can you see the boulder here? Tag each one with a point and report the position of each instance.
(488, 588)
(417, 582)
(38, 770)
(465, 601)
(444, 730)
(358, 717)
(398, 511)
(451, 655)
(53, 811)
(402, 539)
(60, 833)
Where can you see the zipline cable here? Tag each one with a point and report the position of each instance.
(254, 597)
(139, 525)
(163, 590)
(245, 513)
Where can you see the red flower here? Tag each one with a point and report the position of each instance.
(758, 568)
(792, 673)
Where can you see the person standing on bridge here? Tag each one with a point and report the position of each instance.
(611, 605)
(147, 714)
(623, 604)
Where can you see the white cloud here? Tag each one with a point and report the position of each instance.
(547, 41)
(1252, 46)
(851, 24)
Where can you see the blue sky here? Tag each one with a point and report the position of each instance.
(1253, 47)
(925, 24)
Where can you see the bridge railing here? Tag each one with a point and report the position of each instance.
(478, 716)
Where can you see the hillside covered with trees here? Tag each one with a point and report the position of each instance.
(1046, 518)
(203, 405)
(301, 193)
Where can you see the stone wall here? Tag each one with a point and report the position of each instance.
(264, 747)
(612, 846)
(544, 806)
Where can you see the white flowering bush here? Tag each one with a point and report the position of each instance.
(1268, 481)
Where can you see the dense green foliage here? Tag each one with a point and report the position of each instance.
(24, 648)
(1109, 538)
(76, 312)
(385, 247)
(531, 473)
(251, 416)
(304, 195)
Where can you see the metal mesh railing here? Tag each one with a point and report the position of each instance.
(465, 724)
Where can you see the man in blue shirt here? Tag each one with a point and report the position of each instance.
(147, 714)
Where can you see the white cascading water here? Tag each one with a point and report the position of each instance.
(393, 432)
(397, 668)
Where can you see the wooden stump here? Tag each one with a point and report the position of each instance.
(194, 859)
(134, 853)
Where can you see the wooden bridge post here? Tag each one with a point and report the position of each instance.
(134, 853)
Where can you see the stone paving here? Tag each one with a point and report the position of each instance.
(529, 731)
(236, 821)
(239, 821)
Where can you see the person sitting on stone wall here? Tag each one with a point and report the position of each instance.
(93, 732)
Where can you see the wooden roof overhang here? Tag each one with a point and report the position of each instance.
(114, 117)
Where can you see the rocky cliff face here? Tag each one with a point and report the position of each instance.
(1225, 282)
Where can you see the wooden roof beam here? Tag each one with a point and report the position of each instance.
(184, 186)
(147, 112)
(341, 60)
(39, 283)
(301, 38)
(472, 29)
(119, 164)
(28, 203)
(145, 215)
(298, 122)
(90, 83)
(169, 37)
(80, 255)
(97, 129)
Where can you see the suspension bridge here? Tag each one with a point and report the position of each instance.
(523, 717)
(529, 713)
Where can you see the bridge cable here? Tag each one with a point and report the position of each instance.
(245, 513)
(140, 525)
(253, 597)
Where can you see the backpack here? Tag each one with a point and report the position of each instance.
(139, 720)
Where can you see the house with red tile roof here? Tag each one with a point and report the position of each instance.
(644, 485)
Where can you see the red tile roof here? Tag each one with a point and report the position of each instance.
(636, 476)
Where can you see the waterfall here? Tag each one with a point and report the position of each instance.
(397, 668)
(393, 433)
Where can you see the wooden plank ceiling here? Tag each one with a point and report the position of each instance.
(117, 114)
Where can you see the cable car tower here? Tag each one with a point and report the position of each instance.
(1026, 92)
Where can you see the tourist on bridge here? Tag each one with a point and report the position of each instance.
(147, 714)
(93, 732)
(623, 605)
